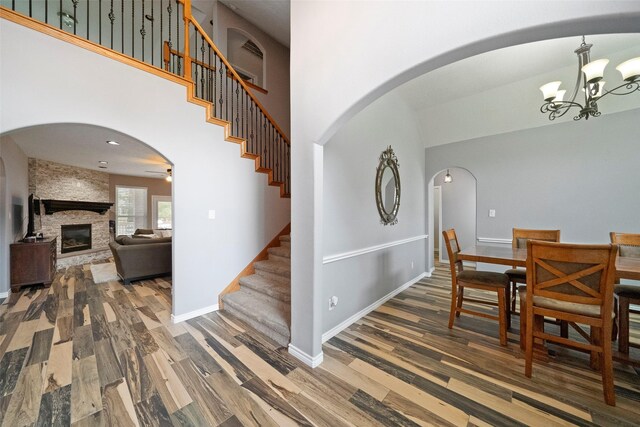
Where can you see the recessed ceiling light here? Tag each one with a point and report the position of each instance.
(102, 167)
(113, 143)
(103, 162)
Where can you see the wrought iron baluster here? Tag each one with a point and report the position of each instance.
(122, 25)
(237, 107)
(133, 37)
(30, 8)
(14, 8)
(46, 11)
(75, 9)
(178, 37)
(100, 22)
(219, 115)
(194, 61)
(202, 67)
(143, 32)
(88, 19)
(171, 63)
(153, 40)
(112, 18)
(211, 74)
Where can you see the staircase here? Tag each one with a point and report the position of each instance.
(264, 298)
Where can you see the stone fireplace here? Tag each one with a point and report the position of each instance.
(82, 235)
(75, 237)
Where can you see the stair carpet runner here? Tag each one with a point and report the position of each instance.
(264, 298)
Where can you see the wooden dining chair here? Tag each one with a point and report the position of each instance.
(626, 294)
(519, 241)
(484, 280)
(573, 283)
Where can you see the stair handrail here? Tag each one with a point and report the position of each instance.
(235, 74)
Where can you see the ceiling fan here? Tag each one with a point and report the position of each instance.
(167, 174)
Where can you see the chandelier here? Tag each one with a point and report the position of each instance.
(589, 78)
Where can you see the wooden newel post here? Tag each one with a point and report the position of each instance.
(187, 55)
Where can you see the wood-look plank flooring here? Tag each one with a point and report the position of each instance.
(86, 354)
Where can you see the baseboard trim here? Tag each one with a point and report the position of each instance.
(494, 240)
(345, 255)
(195, 313)
(4, 294)
(430, 272)
(346, 323)
(312, 361)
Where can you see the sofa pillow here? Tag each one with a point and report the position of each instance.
(139, 241)
(119, 239)
(146, 236)
(144, 231)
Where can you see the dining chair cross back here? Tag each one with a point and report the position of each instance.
(572, 283)
(483, 280)
(519, 241)
(629, 246)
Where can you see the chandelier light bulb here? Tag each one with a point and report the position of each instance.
(630, 69)
(557, 101)
(550, 90)
(594, 70)
(448, 178)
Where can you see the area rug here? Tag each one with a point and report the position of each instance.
(104, 272)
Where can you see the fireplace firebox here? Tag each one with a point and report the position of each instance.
(76, 237)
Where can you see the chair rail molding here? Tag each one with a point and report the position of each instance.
(345, 255)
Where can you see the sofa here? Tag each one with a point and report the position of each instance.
(139, 258)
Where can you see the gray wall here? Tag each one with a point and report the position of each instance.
(581, 177)
(458, 207)
(351, 220)
(15, 196)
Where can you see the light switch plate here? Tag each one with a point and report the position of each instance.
(212, 214)
(492, 213)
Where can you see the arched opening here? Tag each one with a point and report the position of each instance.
(116, 221)
(452, 205)
(247, 56)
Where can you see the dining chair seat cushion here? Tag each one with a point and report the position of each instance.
(517, 274)
(629, 291)
(568, 307)
(486, 278)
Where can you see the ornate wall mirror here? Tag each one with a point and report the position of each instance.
(388, 187)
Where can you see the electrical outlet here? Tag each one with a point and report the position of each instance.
(492, 213)
(333, 301)
(412, 265)
(212, 214)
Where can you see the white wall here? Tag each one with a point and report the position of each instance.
(458, 207)
(208, 171)
(276, 63)
(351, 219)
(344, 55)
(14, 190)
(579, 177)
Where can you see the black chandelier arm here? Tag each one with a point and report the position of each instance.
(629, 87)
(556, 112)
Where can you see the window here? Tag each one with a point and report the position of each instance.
(131, 209)
(161, 212)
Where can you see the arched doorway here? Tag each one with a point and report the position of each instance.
(89, 165)
(452, 204)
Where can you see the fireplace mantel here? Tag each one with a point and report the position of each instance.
(52, 206)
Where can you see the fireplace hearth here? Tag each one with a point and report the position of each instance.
(76, 237)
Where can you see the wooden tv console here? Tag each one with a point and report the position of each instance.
(33, 263)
